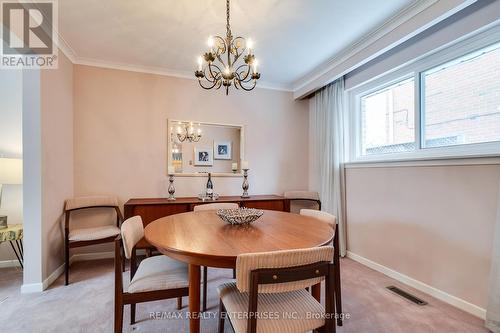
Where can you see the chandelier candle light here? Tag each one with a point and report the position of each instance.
(214, 72)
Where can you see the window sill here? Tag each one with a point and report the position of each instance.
(425, 162)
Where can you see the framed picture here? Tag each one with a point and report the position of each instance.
(222, 150)
(203, 156)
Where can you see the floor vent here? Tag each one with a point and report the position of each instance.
(410, 297)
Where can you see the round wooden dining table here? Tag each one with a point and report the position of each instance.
(203, 239)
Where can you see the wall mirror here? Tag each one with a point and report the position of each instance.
(197, 148)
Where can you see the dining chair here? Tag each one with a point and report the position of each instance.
(156, 277)
(331, 220)
(303, 200)
(77, 237)
(205, 207)
(275, 283)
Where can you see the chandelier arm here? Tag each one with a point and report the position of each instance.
(238, 38)
(239, 67)
(236, 57)
(237, 76)
(247, 76)
(223, 42)
(240, 82)
(221, 61)
(207, 87)
(250, 88)
(243, 49)
(210, 78)
(218, 72)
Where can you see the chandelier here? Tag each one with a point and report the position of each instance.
(188, 132)
(229, 61)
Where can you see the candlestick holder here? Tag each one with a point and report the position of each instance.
(171, 188)
(245, 184)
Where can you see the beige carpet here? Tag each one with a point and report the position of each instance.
(86, 305)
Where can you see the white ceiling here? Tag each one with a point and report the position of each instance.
(292, 37)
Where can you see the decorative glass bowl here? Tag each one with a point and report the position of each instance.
(240, 215)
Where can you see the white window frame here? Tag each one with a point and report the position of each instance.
(415, 69)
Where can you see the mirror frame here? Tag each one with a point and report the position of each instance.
(171, 124)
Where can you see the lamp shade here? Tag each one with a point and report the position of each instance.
(11, 171)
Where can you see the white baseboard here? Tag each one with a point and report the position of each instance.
(425, 288)
(9, 263)
(31, 288)
(53, 276)
(39, 287)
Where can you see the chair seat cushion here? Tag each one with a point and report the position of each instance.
(289, 312)
(86, 234)
(159, 273)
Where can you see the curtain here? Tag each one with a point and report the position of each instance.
(326, 128)
(493, 309)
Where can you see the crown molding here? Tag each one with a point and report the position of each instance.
(275, 86)
(412, 20)
(133, 68)
(65, 48)
(164, 72)
(416, 7)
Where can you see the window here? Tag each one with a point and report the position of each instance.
(444, 105)
(462, 100)
(388, 119)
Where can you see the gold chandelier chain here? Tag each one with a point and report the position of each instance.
(228, 27)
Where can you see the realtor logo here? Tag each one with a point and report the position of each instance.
(28, 34)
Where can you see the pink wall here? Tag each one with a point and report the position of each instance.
(431, 223)
(120, 134)
(57, 158)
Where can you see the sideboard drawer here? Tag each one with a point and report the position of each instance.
(154, 212)
(278, 205)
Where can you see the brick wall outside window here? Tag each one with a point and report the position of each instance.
(461, 106)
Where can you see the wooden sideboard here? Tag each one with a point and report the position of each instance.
(151, 209)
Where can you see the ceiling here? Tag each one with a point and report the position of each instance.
(292, 37)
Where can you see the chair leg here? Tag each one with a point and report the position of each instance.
(338, 294)
(179, 303)
(132, 314)
(234, 273)
(118, 317)
(222, 316)
(66, 263)
(123, 261)
(205, 287)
